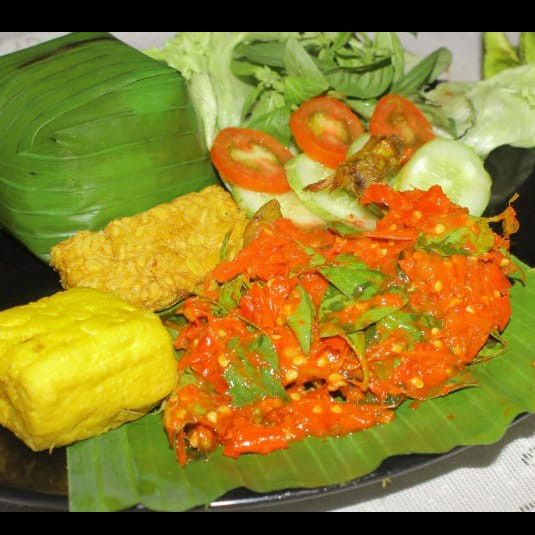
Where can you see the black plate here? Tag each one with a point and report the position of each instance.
(40, 480)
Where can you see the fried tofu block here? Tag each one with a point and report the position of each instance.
(78, 364)
(156, 258)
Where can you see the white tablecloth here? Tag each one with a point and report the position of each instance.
(497, 478)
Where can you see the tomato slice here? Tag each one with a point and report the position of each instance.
(395, 115)
(325, 128)
(252, 160)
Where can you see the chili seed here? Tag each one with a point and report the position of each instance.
(417, 383)
(291, 376)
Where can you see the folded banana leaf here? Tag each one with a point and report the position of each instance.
(91, 130)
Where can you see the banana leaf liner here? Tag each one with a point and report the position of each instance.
(134, 465)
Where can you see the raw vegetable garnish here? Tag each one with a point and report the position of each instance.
(500, 109)
(325, 332)
(256, 79)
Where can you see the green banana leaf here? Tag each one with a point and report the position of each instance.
(91, 130)
(134, 465)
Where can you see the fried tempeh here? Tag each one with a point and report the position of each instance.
(156, 258)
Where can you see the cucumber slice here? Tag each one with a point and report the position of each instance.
(358, 144)
(292, 208)
(453, 166)
(338, 205)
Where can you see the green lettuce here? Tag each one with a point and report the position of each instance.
(504, 111)
(492, 113)
(500, 110)
(204, 59)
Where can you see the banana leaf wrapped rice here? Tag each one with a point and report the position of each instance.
(91, 130)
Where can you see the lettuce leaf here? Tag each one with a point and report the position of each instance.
(492, 113)
(504, 111)
(205, 60)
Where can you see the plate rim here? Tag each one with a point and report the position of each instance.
(414, 463)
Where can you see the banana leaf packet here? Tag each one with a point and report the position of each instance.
(91, 130)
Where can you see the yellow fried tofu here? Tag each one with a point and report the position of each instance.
(154, 259)
(78, 364)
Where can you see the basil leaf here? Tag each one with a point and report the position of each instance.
(342, 39)
(390, 41)
(335, 302)
(263, 346)
(351, 260)
(356, 62)
(426, 72)
(269, 54)
(189, 377)
(345, 230)
(250, 383)
(495, 347)
(269, 101)
(444, 59)
(414, 325)
(243, 68)
(302, 320)
(461, 241)
(354, 280)
(232, 292)
(298, 89)
(373, 315)
(251, 100)
(315, 258)
(299, 63)
(333, 327)
(372, 83)
(173, 320)
(365, 38)
(357, 342)
(276, 123)
(364, 108)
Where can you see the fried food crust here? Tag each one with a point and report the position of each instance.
(154, 259)
(78, 364)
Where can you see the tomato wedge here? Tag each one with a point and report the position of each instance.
(252, 160)
(395, 115)
(324, 128)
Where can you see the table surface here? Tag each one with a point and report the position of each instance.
(493, 478)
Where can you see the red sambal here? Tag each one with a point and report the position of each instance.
(325, 332)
